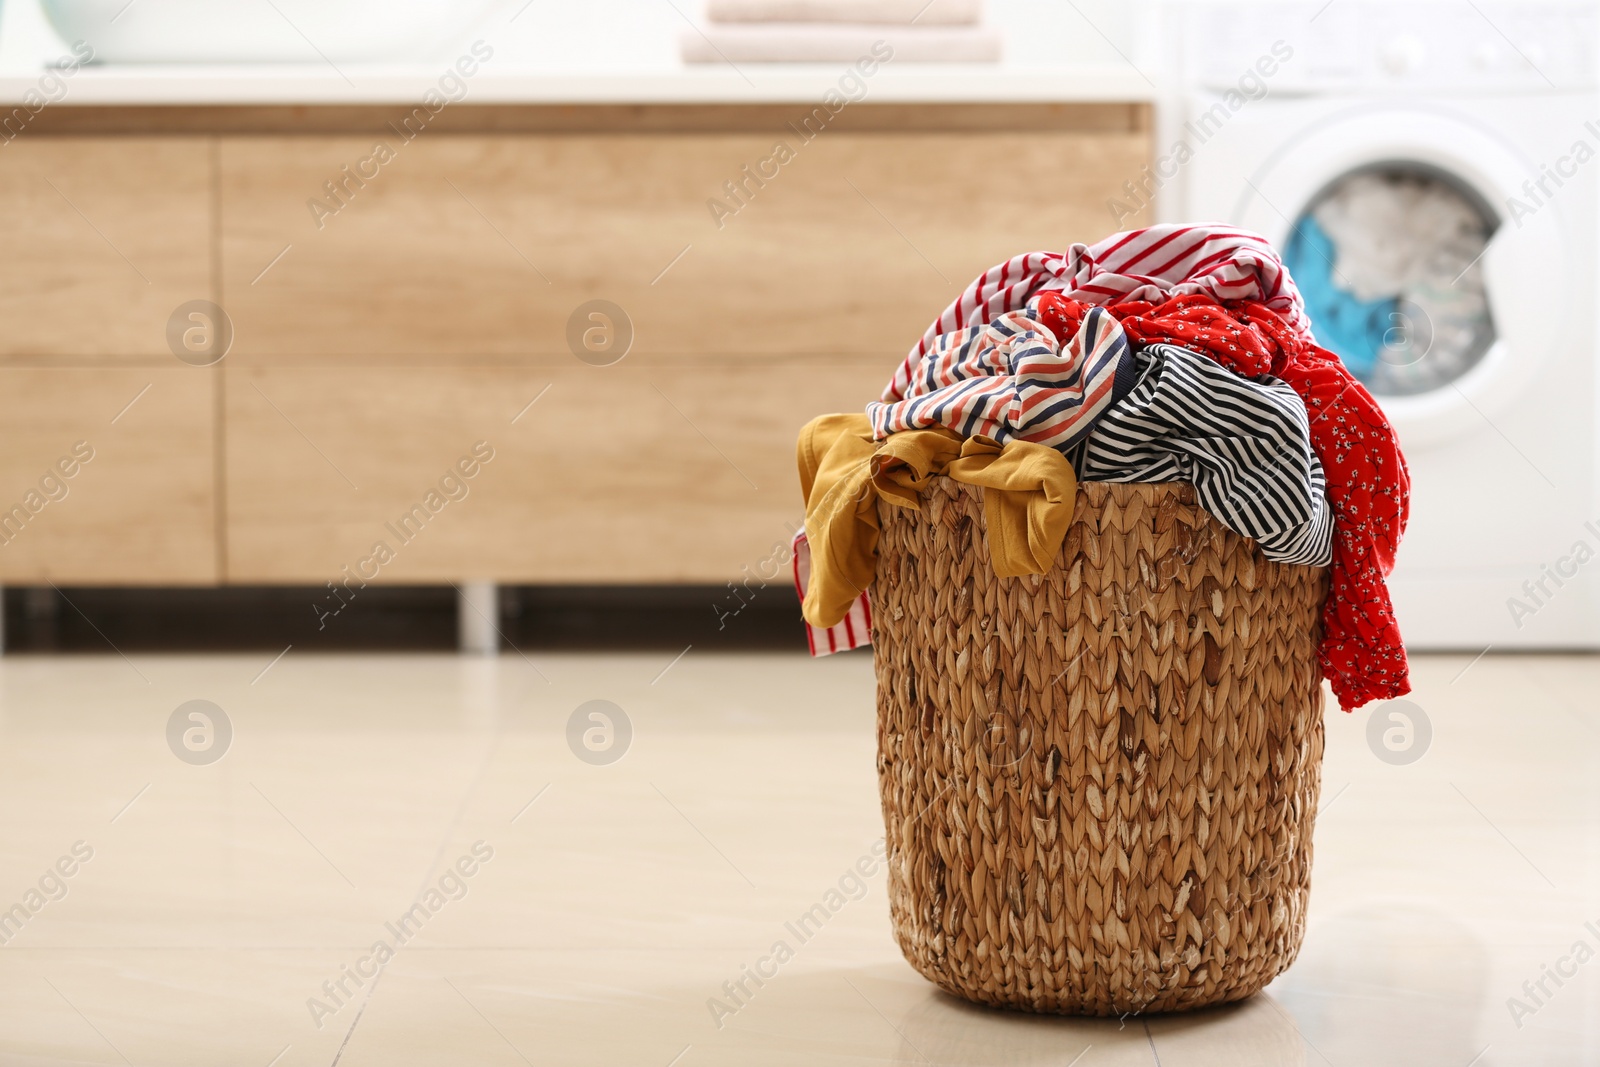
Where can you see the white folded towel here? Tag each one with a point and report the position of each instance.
(907, 12)
(812, 43)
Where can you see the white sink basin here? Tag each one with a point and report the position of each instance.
(262, 31)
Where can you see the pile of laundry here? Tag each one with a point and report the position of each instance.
(1173, 353)
(841, 31)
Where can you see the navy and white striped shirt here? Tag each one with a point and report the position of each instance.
(1243, 442)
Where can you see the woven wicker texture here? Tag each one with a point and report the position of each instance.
(1098, 783)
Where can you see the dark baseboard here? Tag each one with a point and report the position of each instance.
(397, 618)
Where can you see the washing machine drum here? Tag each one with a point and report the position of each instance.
(1389, 218)
(1388, 259)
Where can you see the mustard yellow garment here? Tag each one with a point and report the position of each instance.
(1028, 497)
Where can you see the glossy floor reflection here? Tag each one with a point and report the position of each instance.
(175, 911)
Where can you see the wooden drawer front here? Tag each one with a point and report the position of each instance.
(104, 239)
(142, 510)
(617, 474)
(467, 245)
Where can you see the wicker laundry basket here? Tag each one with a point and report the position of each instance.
(1098, 783)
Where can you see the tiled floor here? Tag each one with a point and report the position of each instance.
(619, 898)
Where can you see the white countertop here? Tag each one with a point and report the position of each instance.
(290, 84)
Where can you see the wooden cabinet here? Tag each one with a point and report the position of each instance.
(598, 474)
(108, 476)
(418, 310)
(473, 245)
(104, 238)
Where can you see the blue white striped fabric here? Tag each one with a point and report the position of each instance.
(1010, 379)
(1244, 443)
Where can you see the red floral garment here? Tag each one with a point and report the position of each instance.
(1368, 484)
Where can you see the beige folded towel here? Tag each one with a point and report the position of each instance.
(921, 12)
(809, 43)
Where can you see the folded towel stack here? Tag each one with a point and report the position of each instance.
(842, 31)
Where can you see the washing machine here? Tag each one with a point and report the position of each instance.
(1430, 173)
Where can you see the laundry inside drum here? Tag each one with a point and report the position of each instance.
(1389, 260)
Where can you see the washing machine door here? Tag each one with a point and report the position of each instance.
(1438, 277)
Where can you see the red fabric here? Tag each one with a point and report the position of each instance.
(1368, 484)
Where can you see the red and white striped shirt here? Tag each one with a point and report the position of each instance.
(852, 631)
(1150, 264)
